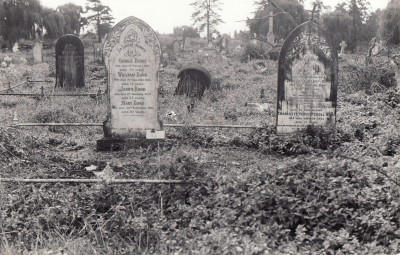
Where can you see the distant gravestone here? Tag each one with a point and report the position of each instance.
(307, 80)
(38, 51)
(223, 44)
(176, 48)
(98, 50)
(343, 47)
(15, 47)
(132, 56)
(70, 68)
(270, 35)
(210, 45)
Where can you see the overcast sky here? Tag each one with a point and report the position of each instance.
(164, 15)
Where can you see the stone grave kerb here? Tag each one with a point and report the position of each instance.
(79, 49)
(132, 55)
(308, 39)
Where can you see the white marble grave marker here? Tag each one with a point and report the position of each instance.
(132, 56)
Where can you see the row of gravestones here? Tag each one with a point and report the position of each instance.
(307, 81)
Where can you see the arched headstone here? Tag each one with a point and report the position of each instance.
(70, 67)
(193, 81)
(132, 56)
(176, 48)
(223, 44)
(307, 80)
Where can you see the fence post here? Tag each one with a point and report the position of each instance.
(42, 95)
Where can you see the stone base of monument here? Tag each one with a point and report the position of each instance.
(110, 143)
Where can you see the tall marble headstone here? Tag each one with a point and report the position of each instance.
(38, 51)
(307, 80)
(132, 56)
(70, 68)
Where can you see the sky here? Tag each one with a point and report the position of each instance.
(164, 15)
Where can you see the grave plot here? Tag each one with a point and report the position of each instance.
(307, 80)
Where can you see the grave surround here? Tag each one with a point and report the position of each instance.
(132, 57)
(307, 80)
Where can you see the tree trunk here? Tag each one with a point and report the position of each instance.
(98, 28)
(208, 22)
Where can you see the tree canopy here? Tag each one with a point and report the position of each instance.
(206, 16)
(100, 15)
(391, 22)
(186, 31)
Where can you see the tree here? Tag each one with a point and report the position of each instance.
(186, 31)
(72, 16)
(391, 22)
(358, 10)
(101, 15)
(206, 16)
(20, 17)
(54, 23)
(283, 24)
(338, 24)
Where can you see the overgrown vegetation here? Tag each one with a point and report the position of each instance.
(248, 191)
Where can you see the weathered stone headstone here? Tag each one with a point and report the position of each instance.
(223, 44)
(15, 47)
(176, 48)
(270, 35)
(307, 80)
(70, 67)
(210, 45)
(37, 51)
(98, 50)
(132, 56)
(193, 81)
(343, 47)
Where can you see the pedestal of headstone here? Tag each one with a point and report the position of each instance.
(70, 67)
(132, 57)
(38, 51)
(307, 80)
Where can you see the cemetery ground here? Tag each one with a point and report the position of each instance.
(248, 191)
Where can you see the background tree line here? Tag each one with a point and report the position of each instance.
(22, 19)
(351, 21)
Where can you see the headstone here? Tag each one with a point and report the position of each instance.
(223, 44)
(270, 35)
(132, 56)
(210, 45)
(98, 50)
(15, 47)
(70, 67)
(307, 80)
(37, 51)
(343, 47)
(176, 48)
(193, 81)
(376, 48)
